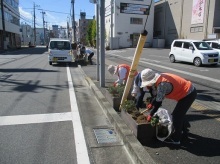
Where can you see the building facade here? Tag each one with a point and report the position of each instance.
(125, 20)
(194, 19)
(9, 25)
(26, 34)
(83, 27)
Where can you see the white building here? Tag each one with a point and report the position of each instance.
(128, 21)
(26, 34)
(9, 25)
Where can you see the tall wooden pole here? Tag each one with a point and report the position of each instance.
(137, 55)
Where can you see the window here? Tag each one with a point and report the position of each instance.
(186, 45)
(177, 44)
(196, 29)
(136, 20)
(215, 45)
(202, 46)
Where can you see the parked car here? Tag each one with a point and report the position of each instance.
(215, 44)
(193, 51)
(60, 50)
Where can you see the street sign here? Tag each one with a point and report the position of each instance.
(131, 8)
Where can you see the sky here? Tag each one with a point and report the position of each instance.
(57, 12)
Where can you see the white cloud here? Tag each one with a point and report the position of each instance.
(24, 14)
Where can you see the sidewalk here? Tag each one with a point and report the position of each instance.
(137, 152)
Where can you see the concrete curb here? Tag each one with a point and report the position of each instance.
(133, 146)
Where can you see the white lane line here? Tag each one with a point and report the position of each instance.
(35, 118)
(81, 149)
(183, 72)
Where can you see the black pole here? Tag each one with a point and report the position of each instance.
(3, 25)
(73, 23)
(34, 27)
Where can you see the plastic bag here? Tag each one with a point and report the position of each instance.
(164, 128)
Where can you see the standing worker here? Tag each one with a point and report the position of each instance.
(173, 87)
(91, 54)
(122, 71)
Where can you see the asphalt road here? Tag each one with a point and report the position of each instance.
(36, 126)
(203, 140)
(48, 114)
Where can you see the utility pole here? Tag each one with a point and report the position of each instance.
(97, 39)
(43, 24)
(3, 26)
(73, 22)
(111, 40)
(34, 27)
(102, 43)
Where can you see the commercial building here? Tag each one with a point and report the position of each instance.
(186, 19)
(125, 20)
(9, 25)
(82, 28)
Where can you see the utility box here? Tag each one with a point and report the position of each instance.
(158, 43)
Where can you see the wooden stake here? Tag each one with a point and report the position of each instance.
(137, 55)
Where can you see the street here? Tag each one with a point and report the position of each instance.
(37, 106)
(202, 144)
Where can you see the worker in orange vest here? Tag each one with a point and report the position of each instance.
(122, 71)
(167, 85)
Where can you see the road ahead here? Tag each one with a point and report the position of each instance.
(36, 123)
(202, 144)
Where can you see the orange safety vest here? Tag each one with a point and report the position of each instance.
(181, 86)
(127, 68)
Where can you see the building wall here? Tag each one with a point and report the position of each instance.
(12, 25)
(26, 34)
(173, 19)
(83, 27)
(122, 27)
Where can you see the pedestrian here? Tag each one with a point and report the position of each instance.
(91, 54)
(138, 92)
(171, 86)
(122, 71)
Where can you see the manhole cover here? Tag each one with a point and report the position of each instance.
(105, 135)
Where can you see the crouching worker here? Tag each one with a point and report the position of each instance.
(122, 71)
(174, 87)
(90, 54)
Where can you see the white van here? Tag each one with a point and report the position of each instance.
(215, 44)
(60, 51)
(193, 51)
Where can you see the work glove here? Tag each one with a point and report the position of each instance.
(149, 106)
(148, 118)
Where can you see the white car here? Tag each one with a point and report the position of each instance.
(60, 50)
(215, 44)
(193, 51)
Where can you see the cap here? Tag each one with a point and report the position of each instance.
(148, 76)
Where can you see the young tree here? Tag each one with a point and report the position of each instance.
(91, 33)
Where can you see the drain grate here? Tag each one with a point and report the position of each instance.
(105, 135)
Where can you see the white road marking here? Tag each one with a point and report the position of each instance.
(81, 149)
(35, 118)
(183, 72)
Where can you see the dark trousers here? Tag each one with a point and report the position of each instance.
(90, 57)
(179, 113)
(139, 101)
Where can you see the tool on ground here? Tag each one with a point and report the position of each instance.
(149, 107)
